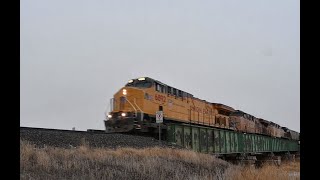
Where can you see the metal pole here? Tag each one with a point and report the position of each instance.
(159, 134)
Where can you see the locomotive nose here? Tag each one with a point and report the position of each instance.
(119, 125)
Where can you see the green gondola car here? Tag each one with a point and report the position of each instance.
(222, 141)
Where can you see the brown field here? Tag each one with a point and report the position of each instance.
(128, 163)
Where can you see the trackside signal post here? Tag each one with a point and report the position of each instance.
(159, 120)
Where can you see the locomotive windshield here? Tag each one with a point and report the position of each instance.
(139, 83)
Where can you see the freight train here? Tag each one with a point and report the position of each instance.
(133, 109)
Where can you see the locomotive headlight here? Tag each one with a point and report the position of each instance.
(109, 116)
(124, 91)
(123, 114)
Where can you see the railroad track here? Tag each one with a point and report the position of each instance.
(92, 137)
(64, 130)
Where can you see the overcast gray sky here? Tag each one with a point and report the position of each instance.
(75, 54)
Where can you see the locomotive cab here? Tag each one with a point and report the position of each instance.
(222, 116)
(242, 121)
(126, 107)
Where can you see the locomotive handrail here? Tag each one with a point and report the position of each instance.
(131, 105)
(139, 109)
(112, 104)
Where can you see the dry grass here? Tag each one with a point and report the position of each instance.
(287, 170)
(129, 163)
(123, 163)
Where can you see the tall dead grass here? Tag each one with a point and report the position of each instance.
(124, 163)
(128, 163)
(287, 171)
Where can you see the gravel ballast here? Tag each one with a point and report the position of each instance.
(70, 139)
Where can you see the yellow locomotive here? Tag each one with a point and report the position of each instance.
(134, 107)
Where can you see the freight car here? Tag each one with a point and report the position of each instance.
(133, 109)
(231, 144)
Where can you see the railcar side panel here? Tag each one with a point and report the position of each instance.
(195, 139)
(219, 141)
(187, 137)
(210, 141)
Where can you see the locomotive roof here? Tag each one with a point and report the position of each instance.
(241, 112)
(264, 121)
(223, 106)
(159, 82)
